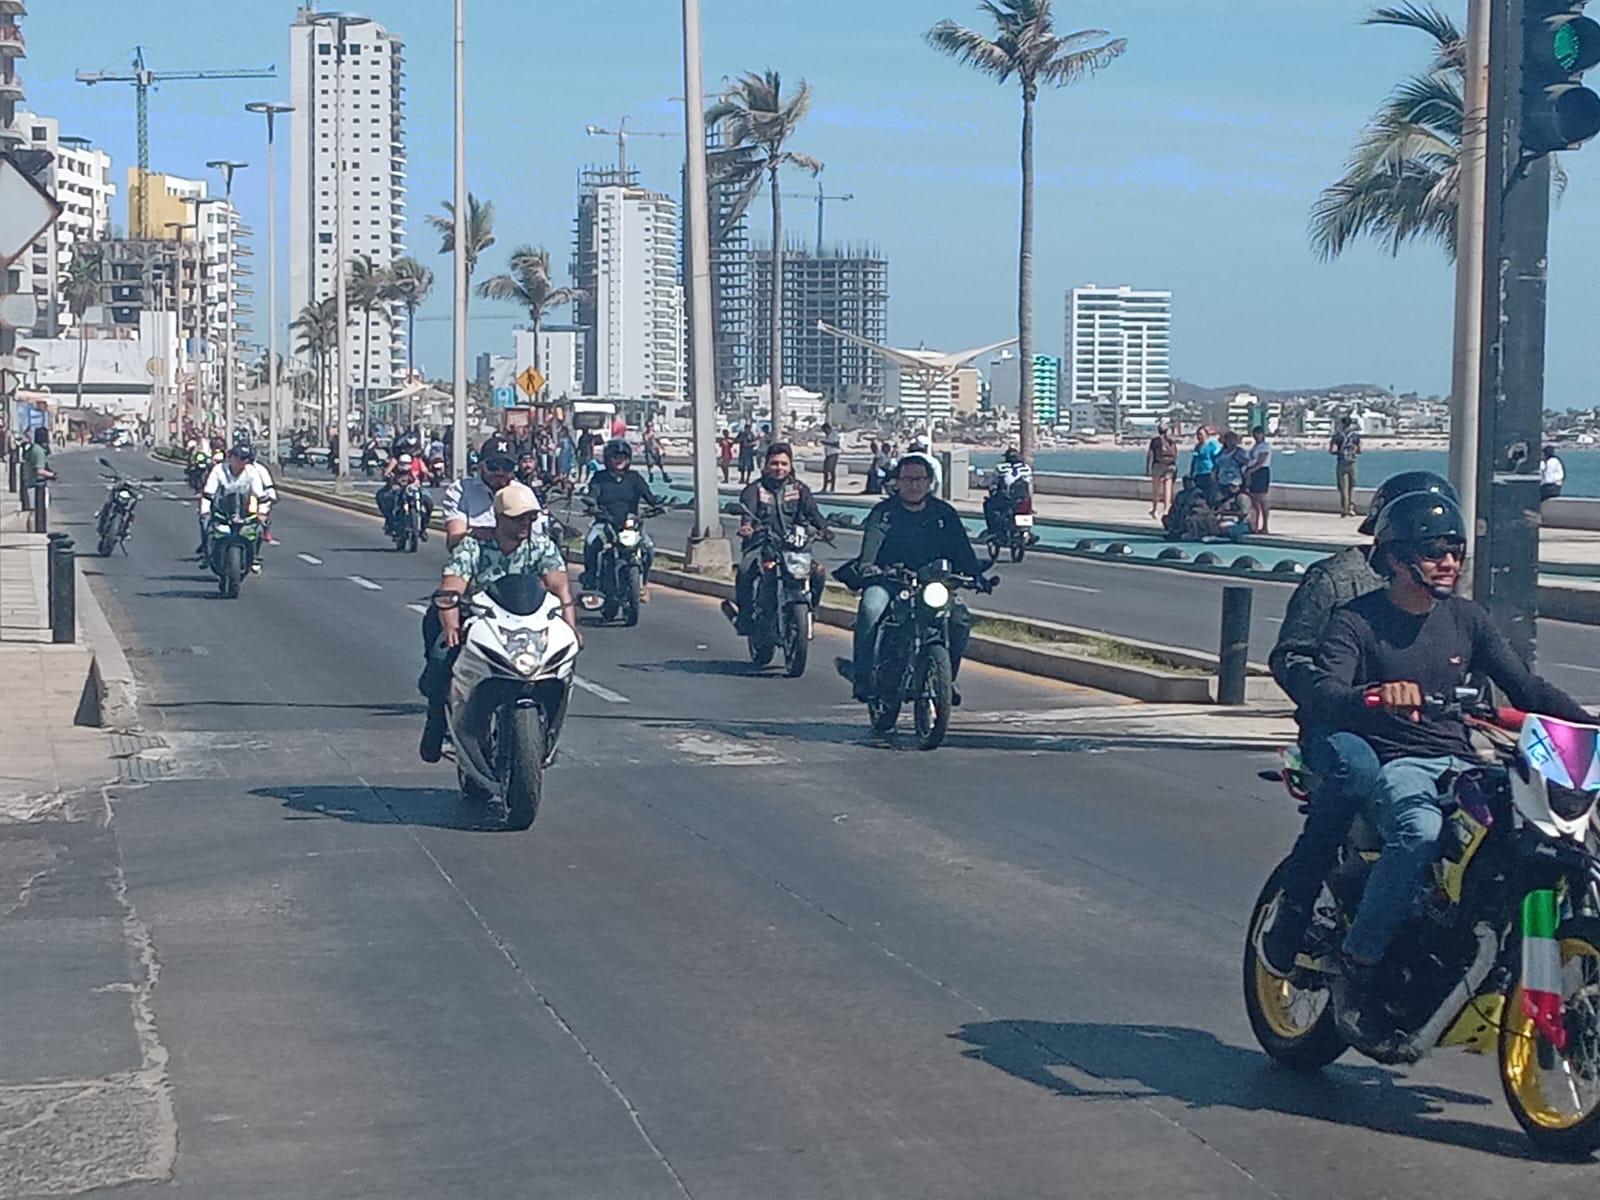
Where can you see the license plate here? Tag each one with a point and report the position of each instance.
(1024, 520)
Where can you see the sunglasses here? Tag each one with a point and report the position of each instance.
(905, 479)
(501, 466)
(1438, 548)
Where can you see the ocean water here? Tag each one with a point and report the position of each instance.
(1306, 466)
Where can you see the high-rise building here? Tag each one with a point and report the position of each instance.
(849, 289)
(361, 94)
(79, 177)
(626, 263)
(1005, 386)
(1119, 352)
(909, 404)
(730, 284)
(12, 47)
(560, 358)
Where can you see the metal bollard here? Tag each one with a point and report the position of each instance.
(41, 509)
(1233, 656)
(63, 593)
(13, 481)
(50, 562)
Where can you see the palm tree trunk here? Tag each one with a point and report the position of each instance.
(411, 341)
(366, 369)
(775, 358)
(538, 324)
(83, 356)
(1025, 288)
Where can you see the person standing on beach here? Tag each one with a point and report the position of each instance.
(1345, 446)
(1161, 465)
(1552, 475)
(1258, 478)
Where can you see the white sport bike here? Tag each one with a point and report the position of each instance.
(508, 693)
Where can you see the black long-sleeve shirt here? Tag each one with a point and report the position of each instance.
(1370, 641)
(781, 507)
(1329, 583)
(897, 536)
(620, 498)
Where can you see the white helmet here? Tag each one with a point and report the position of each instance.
(405, 460)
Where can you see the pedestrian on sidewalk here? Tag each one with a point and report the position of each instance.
(747, 452)
(725, 453)
(1161, 465)
(1203, 463)
(830, 458)
(1552, 475)
(655, 457)
(1258, 478)
(1345, 446)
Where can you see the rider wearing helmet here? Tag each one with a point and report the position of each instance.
(1012, 480)
(1343, 766)
(1381, 657)
(617, 493)
(405, 466)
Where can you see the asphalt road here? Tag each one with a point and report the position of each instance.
(748, 950)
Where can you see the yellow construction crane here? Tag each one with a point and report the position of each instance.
(143, 79)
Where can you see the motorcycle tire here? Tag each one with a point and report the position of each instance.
(994, 550)
(631, 584)
(1534, 1075)
(108, 540)
(934, 698)
(796, 643)
(1018, 549)
(522, 752)
(882, 711)
(761, 650)
(1299, 1043)
(411, 541)
(232, 574)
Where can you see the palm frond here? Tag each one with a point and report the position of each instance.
(1065, 67)
(1450, 46)
(973, 49)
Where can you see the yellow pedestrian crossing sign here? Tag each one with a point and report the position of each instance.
(531, 382)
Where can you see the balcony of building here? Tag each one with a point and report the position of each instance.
(11, 86)
(12, 43)
(15, 8)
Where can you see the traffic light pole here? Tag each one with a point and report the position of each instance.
(1511, 403)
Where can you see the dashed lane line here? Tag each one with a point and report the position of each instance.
(420, 609)
(362, 581)
(309, 558)
(1068, 587)
(605, 693)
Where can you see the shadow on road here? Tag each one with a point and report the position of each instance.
(398, 709)
(431, 808)
(183, 594)
(1087, 1061)
(703, 666)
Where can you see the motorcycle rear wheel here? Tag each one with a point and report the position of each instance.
(796, 645)
(1294, 1025)
(1555, 1095)
(521, 744)
(1018, 549)
(933, 698)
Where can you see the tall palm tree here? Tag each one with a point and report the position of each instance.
(1401, 181)
(528, 284)
(367, 294)
(80, 288)
(1026, 47)
(409, 284)
(480, 232)
(317, 329)
(757, 122)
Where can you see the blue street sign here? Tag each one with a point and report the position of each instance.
(505, 397)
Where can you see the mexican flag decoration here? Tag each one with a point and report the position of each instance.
(1541, 967)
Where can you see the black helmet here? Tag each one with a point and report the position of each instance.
(1410, 526)
(1013, 455)
(619, 448)
(243, 452)
(1404, 484)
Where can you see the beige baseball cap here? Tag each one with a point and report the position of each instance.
(515, 500)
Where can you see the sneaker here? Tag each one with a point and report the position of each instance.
(730, 611)
(644, 594)
(432, 748)
(955, 696)
(255, 567)
(1362, 1018)
(1278, 945)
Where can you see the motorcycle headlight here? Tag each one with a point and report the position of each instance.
(525, 641)
(1570, 804)
(526, 664)
(628, 538)
(124, 495)
(935, 595)
(797, 563)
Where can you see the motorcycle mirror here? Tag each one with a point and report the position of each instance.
(103, 461)
(443, 599)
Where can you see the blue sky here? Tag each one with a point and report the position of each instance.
(1189, 164)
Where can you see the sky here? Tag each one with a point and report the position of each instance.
(1190, 163)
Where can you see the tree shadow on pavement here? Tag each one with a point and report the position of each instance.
(431, 808)
(1151, 1063)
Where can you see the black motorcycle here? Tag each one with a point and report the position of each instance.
(234, 534)
(912, 662)
(1009, 521)
(781, 612)
(620, 572)
(114, 522)
(407, 524)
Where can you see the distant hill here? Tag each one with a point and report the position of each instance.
(1184, 392)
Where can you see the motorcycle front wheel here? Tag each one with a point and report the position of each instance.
(521, 743)
(1555, 1094)
(110, 534)
(934, 694)
(884, 707)
(796, 643)
(1294, 1025)
(232, 572)
(631, 585)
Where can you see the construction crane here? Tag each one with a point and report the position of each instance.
(143, 79)
(821, 200)
(622, 133)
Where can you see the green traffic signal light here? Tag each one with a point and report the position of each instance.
(1559, 45)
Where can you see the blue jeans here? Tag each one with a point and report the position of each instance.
(874, 604)
(1406, 812)
(1345, 773)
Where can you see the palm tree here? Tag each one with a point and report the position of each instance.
(480, 232)
(409, 284)
(80, 288)
(1400, 183)
(1026, 48)
(366, 293)
(757, 124)
(529, 285)
(316, 330)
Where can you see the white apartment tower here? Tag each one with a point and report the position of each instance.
(627, 266)
(1119, 352)
(363, 91)
(79, 177)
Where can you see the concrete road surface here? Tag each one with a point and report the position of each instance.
(748, 950)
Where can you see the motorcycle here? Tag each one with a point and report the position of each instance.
(780, 602)
(233, 540)
(437, 470)
(1502, 952)
(195, 473)
(1010, 527)
(508, 693)
(407, 526)
(620, 566)
(114, 521)
(299, 455)
(912, 662)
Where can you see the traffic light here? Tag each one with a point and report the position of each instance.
(1559, 44)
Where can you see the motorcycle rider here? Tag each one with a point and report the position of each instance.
(237, 474)
(1000, 503)
(780, 503)
(910, 529)
(1341, 764)
(617, 492)
(469, 501)
(405, 467)
(1382, 654)
(511, 547)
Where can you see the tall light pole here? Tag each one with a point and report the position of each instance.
(271, 111)
(458, 442)
(230, 401)
(340, 23)
(178, 229)
(708, 548)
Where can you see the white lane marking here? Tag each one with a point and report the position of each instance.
(309, 558)
(605, 693)
(420, 609)
(1577, 667)
(366, 583)
(1069, 587)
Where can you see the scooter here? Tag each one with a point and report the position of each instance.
(508, 693)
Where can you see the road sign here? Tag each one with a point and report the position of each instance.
(26, 211)
(505, 397)
(531, 382)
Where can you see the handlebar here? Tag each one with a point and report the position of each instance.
(1463, 704)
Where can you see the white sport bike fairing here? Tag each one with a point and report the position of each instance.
(509, 691)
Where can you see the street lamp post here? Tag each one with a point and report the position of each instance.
(458, 443)
(274, 402)
(230, 414)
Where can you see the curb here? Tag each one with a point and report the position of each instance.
(115, 688)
